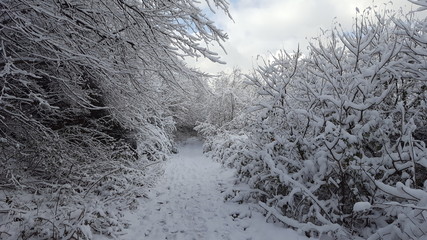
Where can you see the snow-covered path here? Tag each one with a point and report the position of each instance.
(188, 203)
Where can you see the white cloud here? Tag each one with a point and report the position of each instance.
(261, 27)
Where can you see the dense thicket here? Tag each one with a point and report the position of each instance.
(86, 89)
(336, 142)
(227, 97)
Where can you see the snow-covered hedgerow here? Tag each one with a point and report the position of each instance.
(336, 144)
(83, 108)
(71, 191)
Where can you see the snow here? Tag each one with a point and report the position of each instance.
(188, 203)
(361, 206)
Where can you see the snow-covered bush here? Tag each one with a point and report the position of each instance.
(335, 144)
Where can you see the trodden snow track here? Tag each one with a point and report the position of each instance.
(188, 203)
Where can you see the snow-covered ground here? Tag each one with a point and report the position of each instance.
(188, 203)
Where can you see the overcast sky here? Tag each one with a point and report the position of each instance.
(262, 27)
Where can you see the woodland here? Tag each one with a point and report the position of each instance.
(329, 142)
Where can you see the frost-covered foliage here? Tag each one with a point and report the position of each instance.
(228, 96)
(336, 144)
(187, 102)
(227, 99)
(83, 108)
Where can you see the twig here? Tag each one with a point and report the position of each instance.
(97, 181)
(403, 205)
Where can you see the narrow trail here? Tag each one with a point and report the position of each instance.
(188, 203)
